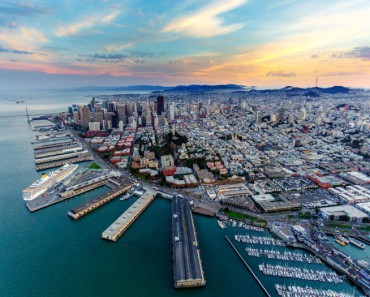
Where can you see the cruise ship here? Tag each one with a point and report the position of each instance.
(40, 186)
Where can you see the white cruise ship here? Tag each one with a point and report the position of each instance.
(40, 186)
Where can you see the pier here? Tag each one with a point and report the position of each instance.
(59, 157)
(250, 270)
(44, 201)
(84, 187)
(54, 139)
(187, 265)
(82, 158)
(95, 203)
(58, 151)
(119, 226)
(50, 145)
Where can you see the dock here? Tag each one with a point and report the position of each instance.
(119, 226)
(95, 203)
(52, 149)
(55, 139)
(50, 145)
(59, 157)
(82, 158)
(57, 151)
(187, 264)
(85, 186)
(250, 270)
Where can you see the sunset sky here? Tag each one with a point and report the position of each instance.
(70, 43)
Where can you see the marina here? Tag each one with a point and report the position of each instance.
(245, 226)
(119, 226)
(187, 264)
(249, 268)
(300, 273)
(262, 240)
(282, 256)
(95, 203)
(292, 291)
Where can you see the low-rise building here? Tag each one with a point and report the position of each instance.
(342, 212)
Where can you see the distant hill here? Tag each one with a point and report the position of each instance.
(180, 88)
(205, 88)
(128, 88)
(288, 90)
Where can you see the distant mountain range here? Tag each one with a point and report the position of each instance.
(289, 90)
(180, 88)
(128, 88)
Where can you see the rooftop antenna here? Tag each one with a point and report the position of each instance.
(317, 79)
(28, 117)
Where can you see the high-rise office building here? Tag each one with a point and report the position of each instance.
(98, 117)
(85, 116)
(121, 114)
(172, 112)
(76, 117)
(160, 104)
(281, 114)
(303, 114)
(258, 117)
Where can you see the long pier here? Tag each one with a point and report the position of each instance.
(83, 158)
(55, 149)
(46, 201)
(50, 145)
(59, 151)
(59, 157)
(95, 203)
(85, 187)
(187, 265)
(250, 270)
(54, 139)
(119, 226)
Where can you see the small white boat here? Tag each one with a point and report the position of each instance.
(221, 224)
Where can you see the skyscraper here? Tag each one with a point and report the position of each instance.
(160, 104)
(85, 116)
(121, 113)
(258, 117)
(76, 117)
(303, 114)
(281, 114)
(172, 112)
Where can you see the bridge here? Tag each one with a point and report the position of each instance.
(27, 116)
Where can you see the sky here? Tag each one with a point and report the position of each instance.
(62, 44)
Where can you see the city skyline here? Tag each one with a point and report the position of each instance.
(45, 44)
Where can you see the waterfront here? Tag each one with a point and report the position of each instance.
(47, 254)
(270, 281)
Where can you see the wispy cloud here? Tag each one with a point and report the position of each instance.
(73, 29)
(23, 8)
(206, 22)
(359, 52)
(118, 47)
(14, 51)
(111, 58)
(280, 74)
(24, 39)
(343, 73)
